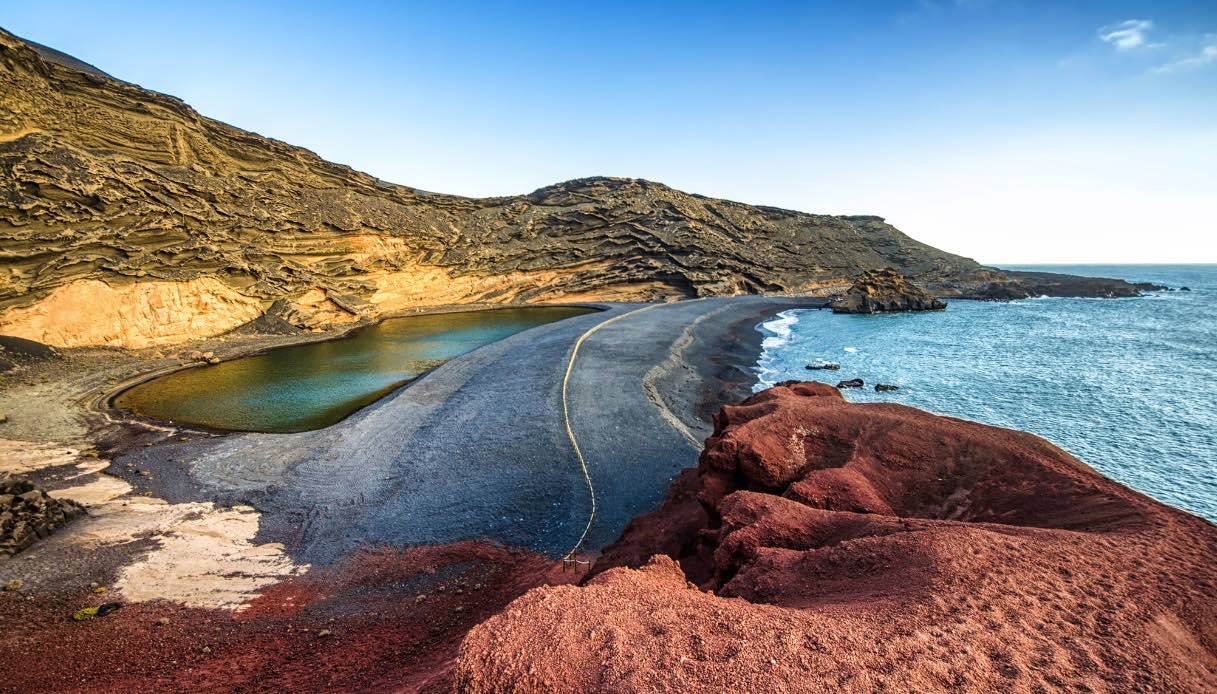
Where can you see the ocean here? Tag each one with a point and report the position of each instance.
(1129, 386)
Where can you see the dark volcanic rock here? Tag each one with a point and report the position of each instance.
(851, 383)
(1016, 284)
(885, 290)
(824, 366)
(885, 388)
(15, 351)
(28, 514)
(26, 349)
(826, 546)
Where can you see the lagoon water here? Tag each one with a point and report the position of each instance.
(1129, 386)
(314, 385)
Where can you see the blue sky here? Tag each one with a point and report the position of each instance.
(1007, 131)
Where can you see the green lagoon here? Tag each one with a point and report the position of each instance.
(310, 386)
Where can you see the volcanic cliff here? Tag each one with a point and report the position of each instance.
(171, 226)
(824, 546)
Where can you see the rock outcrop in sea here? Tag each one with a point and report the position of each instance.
(171, 227)
(880, 291)
(828, 546)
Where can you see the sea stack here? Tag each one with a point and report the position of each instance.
(878, 291)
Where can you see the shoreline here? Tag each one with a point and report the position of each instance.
(103, 403)
(173, 462)
(265, 540)
(392, 612)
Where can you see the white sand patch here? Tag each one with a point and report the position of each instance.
(24, 457)
(206, 556)
(88, 466)
(99, 491)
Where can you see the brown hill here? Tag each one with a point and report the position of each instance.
(169, 226)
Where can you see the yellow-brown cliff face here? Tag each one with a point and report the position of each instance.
(128, 219)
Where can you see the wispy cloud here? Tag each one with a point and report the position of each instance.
(1129, 34)
(1207, 55)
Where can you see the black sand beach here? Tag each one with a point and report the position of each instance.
(476, 448)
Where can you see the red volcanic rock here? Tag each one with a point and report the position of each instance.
(356, 626)
(828, 546)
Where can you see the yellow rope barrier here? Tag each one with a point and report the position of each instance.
(570, 433)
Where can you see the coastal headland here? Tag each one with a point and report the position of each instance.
(593, 503)
(365, 555)
(827, 546)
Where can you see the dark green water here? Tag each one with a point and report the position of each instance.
(311, 386)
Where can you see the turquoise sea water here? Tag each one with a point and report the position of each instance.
(1129, 386)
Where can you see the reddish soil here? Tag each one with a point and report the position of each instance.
(828, 546)
(380, 636)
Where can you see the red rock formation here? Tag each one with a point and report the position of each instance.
(828, 546)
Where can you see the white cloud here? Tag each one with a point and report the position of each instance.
(1207, 55)
(1128, 34)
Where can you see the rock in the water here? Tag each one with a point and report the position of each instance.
(885, 388)
(827, 546)
(851, 383)
(885, 290)
(823, 366)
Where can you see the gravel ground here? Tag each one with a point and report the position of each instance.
(477, 448)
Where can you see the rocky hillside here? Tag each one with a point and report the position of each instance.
(170, 226)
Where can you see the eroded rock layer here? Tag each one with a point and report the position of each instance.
(828, 546)
(104, 182)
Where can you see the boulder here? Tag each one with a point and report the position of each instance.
(885, 290)
(28, 514)
(885, 388)
(851, 383)
(823, 366)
